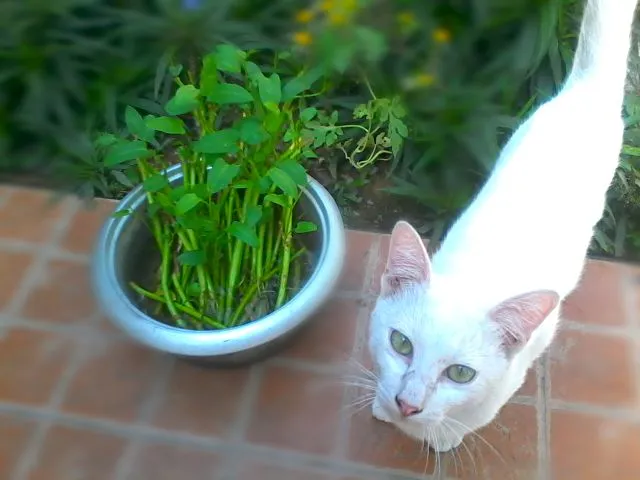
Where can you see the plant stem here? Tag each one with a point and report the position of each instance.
(164, 278)
(286, 257)
(189, 311)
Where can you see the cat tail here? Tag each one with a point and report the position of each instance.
(603, 44)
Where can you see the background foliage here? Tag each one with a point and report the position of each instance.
(460, 75)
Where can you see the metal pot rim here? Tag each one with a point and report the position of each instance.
(122, 311)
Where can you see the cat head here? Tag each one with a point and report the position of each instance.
(438, 347)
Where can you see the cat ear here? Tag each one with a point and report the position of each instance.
(408, 261)
(519, 316)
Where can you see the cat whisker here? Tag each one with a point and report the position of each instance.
(367, 372)
(481, 438)
(446, 422)
(359, 404)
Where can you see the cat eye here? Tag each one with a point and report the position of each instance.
(401, 343)
(460, 373)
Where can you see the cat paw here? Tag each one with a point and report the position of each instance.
(380, 413)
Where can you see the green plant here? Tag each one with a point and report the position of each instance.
(379, 135)
(230, 233)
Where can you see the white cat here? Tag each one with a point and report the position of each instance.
(453, 337)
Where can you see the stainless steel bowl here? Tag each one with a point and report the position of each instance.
(125, 248)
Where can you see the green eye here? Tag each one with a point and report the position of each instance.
(401, 343)
(460, 373)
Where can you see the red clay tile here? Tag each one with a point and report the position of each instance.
(14, 436)
(530, 386)
(592, 368)
(508, 448)
(113, 382)
(359, 246)
(30, 216)
(329, 337)
(382, 445)
(202, 401)
(165, 462)
(254, 471)
(13, 267)
(599, 297)
(585, 447)
(297, 410)
(380, 264)
(62, 295)
(31, 363)
(85, 226)
(73, 454)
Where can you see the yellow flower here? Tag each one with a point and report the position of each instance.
(327, 5)
(419, 80)
(407, 19)
(337, 18)
(302, 38)
(441, 35)
(424, 80)
(304, 16)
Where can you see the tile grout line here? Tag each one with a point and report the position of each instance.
(631, 303)
(163, 371)
(543, 415)
(213, 444)
(42, 256)
(341, 448)
(249, 398)
(30, 454)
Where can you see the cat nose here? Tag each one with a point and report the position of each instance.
(406, 409)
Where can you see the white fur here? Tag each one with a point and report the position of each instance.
(528, 230)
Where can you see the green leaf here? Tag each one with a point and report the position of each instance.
(229, 93)
(270, 90)
(229, 58)
(155, 183)
(308, 114)
(105, 140)
(244, 233)
(122, 213)
(121, 178)
(254, 214)
(192, 258)
(303, 82)
(175, 70)
(126, 151)
(221, 175)
(222, 141)
(277, 199)
(296, 171)
(252, 131)
(283, 181)
(208, 75)
(187, 203)
(253, 72)
(193, 289)
(184, 101)
(170, 125)
(136, 124)
(305, 227)
(373, 43)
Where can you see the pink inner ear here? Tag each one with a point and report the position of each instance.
(408, 261)
(519, 316)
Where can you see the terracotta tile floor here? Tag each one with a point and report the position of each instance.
(78, 401)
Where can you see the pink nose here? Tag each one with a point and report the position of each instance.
(406, 409)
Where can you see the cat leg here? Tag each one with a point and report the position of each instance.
(380, 413)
